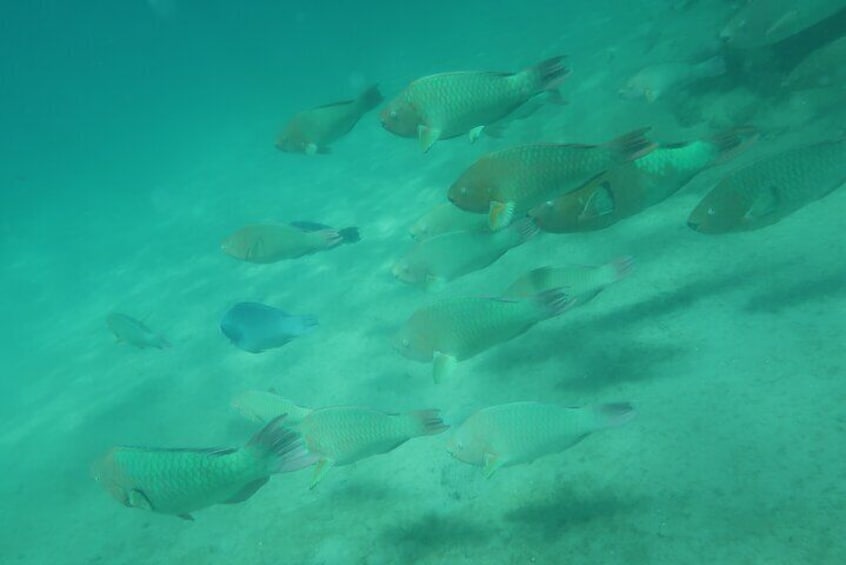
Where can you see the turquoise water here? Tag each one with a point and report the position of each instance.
(139, 135)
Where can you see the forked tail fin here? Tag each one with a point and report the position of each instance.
(284, 449)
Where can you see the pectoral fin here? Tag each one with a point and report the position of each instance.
(492, 463)
(320, 471)
(500, 214)
(427, 136)
(311, 149)
(136, 498)
(767, 202)
(475, 133)
(443, 364)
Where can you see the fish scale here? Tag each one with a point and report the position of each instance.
(772, 188)
(520, 432)
(508, 183)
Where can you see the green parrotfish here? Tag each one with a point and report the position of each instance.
(181, 481)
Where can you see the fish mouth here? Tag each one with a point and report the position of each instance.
(693, 225)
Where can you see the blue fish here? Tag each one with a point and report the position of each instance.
(256, 327)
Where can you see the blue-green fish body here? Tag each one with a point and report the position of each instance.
(181, 481)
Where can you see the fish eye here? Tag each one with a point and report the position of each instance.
(392, 114)
(404, 342)
(712, 212)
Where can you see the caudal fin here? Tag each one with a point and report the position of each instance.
(284, 449)
(349, 235)
(524, 230)
(370, 98)
(732, 142)
(554, 302)
(427, 422)
(549, 74)
(621, 267)
(631, 146)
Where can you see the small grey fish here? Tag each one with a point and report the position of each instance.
(257, 327)
(135, 332)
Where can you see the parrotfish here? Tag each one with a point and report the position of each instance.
(311, 131)
(520, 432)
(655, 81)
(822, 68)
(440, 259)
(129, 330)
(445, 218)
(256, 327)
(632, 187)
(762, 23)
(506, 184)
(263, 406)
(447, 105)
(456, 329)
(764, 192)
(583, 283)
(268, 243)
(346, 434)
(181, 481)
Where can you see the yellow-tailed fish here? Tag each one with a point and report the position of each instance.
(447, 105)
(456, 329)
(346, 434)
(263, 406)
(770, 189)
(506, 184)
(435, 261)
(268, 243)
(632, 187)
(582, 282)
(445, 218)
(311, 131)
(181, 481)
(520, 432)
(762, 23)
(129, 330)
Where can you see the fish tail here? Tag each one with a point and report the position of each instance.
(284, 449)
(734, 141)
(525, 229)
(349, 235)
(621, 267)
(370, 98)
(631, 146)
(427, 422)
(549, 74)
(612, 415)
(554, 302)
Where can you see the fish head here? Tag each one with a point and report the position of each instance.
(740, 31)
(419, 230)
(106, 471)
(413, 344)
(290, 144)
(467, 446)
(722, 210)
(407, 272)
(473, 191)
(640, 86)
(401, 117)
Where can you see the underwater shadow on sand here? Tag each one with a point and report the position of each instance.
(547, 518)
(429, 536)
(774, 300)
